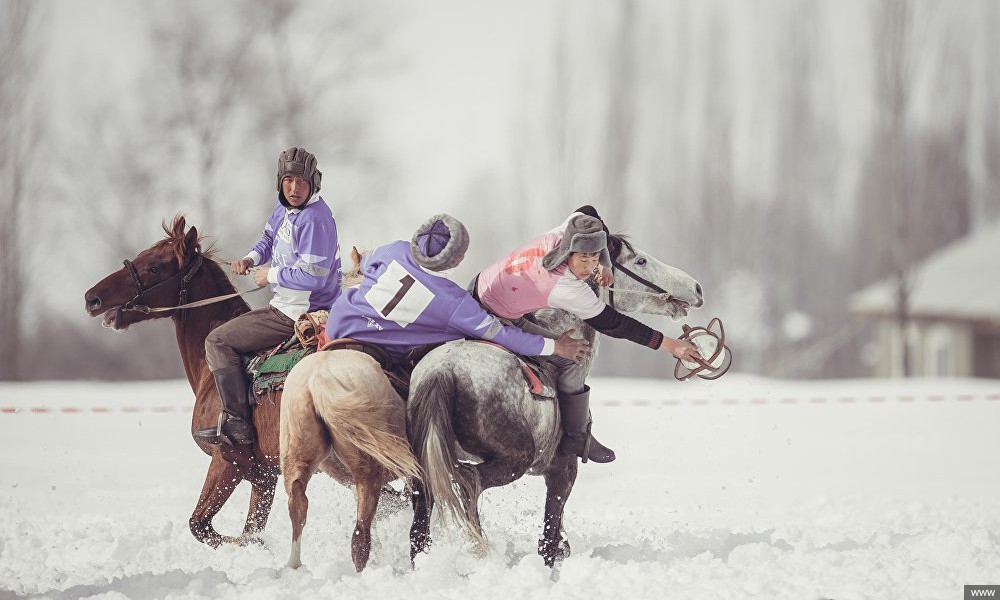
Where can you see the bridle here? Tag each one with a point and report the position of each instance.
(185, 275)
(658, 290)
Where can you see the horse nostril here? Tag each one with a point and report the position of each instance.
(94, 303)
(697, 289)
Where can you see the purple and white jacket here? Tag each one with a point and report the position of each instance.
(301, 245)
(401, 306)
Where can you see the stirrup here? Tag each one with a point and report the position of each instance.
(211, 435)
(216, 436)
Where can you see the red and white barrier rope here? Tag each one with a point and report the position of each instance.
(642, 402)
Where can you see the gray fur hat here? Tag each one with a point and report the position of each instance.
(440, 243)
(300, 163)
(583, 234)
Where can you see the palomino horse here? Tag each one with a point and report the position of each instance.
(175, 271)
(341, 401)
(469, 401)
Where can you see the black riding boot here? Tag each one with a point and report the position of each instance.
(576, 422)
(235, 423)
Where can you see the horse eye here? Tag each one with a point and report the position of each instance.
(154, 270)
(640, 261)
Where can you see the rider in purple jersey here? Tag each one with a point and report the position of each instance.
(298, 256)
(406, 300)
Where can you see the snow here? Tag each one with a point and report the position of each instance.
(740, 488)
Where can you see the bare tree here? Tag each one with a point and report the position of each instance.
(20, 150)
(310, 69)
(619, 122)
(891, 36)
(201, 73)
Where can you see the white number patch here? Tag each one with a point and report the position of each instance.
(398, 296)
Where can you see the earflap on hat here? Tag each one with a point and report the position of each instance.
(440, 243)
(583, 234)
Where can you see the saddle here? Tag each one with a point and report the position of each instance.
(268, 368)
(397, 374)
(539, 375)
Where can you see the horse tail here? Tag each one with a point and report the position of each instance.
(453, 484)
(352, 396)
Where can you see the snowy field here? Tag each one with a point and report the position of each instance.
(741, 488)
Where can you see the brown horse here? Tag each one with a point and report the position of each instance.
(176, 271)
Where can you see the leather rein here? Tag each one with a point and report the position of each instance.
(611, 290)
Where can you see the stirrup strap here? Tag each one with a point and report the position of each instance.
(586, 444)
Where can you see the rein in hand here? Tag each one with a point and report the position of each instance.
(184, 305)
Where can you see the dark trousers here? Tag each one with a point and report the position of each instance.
(255, 330)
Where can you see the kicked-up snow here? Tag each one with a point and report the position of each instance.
(740, 488)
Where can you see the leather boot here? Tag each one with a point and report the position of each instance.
(235, 423)
(574, 410)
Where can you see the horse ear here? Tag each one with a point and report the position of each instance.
(355, 256)
(614, 247)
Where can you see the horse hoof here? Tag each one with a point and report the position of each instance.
(250, 540)
(553, 551)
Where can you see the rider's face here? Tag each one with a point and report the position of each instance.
(583, 264)
(296, 190)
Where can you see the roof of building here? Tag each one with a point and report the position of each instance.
(960, 281)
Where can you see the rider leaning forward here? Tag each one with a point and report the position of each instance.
(300, 246)
(407, 302)
(551, 271)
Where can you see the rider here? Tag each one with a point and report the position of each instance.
(300, 244)
(406, 301)
(551, 271)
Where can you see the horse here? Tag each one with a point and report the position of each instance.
(176, 271)
(331, 401)
(474, 424)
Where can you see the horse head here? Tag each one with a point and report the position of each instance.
(157, 276)
(643, 284)
(354, 276)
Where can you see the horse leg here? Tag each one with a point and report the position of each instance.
(368, 492)
(369, 477)
(220, 481)
(297, 475)
(263, 483)
(420, 531)
(497, 472)
(559, 480)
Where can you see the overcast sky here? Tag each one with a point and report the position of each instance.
(442, 112)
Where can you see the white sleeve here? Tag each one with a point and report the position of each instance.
(575, 296)
(561, 229)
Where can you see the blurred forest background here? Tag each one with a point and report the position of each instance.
(785, 152)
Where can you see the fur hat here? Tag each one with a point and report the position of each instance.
(440, 243)
(298, 162)
(583, 234)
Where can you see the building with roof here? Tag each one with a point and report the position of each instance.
(954, 327)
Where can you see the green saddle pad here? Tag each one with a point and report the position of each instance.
(269, 373)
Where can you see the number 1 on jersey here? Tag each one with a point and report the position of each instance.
(399, 296)
(406, 283)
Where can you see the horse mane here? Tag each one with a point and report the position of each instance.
(174, 239)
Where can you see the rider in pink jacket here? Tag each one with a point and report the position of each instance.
(551, 271)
